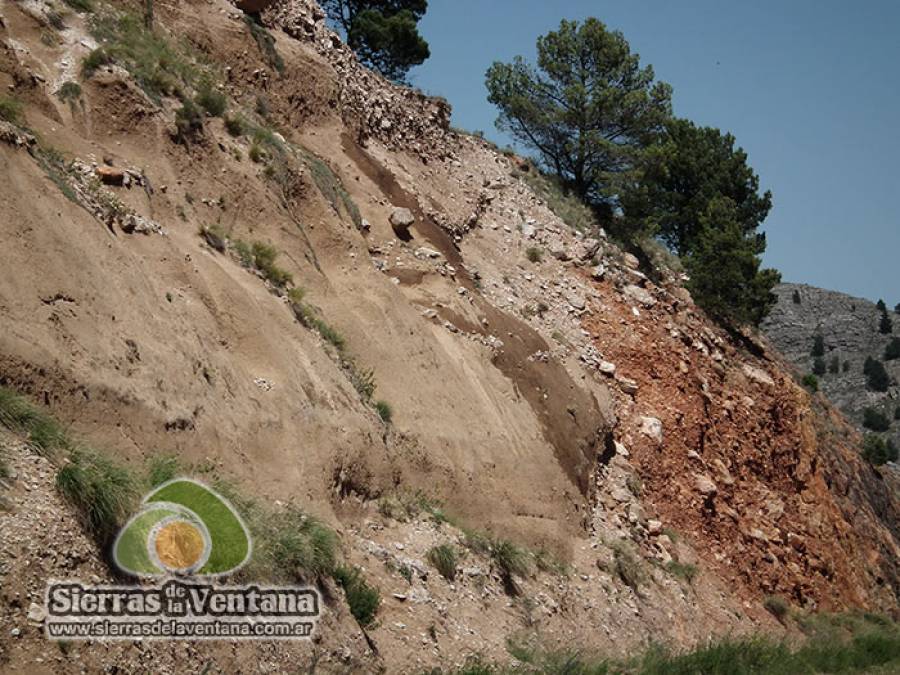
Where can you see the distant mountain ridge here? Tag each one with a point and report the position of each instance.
(849, 327)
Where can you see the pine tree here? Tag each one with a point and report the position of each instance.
(892, 351)
(818, 348)
(877, 378)
(886, 326)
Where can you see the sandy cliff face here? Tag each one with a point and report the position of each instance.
(570, 404)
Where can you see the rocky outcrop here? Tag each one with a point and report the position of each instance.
(849, 327)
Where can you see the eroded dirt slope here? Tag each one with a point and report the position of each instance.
(569, 404)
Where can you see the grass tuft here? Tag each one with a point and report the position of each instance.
(384, 411)
(444, 559)
(104, 493)
(10, 110)
(362, 598)
(161, 469)
(44, 433)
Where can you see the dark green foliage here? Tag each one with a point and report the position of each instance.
(81, 6)
(362, 598)
(265, 42)
(384, 411)
(364, 381)
(819, 367)
(588, 108)
(885, 325)
(811, 382)
(383, 33)
(692, 167)
(724, 268)
(818, 348)
(10, 110)
(877, 451)
(897, 308)
(834, 366)
(69, 92)
(188, 121)
(892, 351)
(877, 378)
(875, 420)
(103, 492)
(880, 306)
(510, 561)
(444, 559)
(44, 433)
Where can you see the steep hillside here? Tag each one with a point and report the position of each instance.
(662, 476)
(850, 328)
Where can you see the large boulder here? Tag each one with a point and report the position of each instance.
(401, 219)
(253, 6)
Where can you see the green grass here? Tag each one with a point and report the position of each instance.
(384, 410)
(296, 546)
(534, 254)
(444, 558)
(362, 598)
(263, 258)
(682, 570)
(869, 647)
(44, 433)
(103, 492)
(213, 101)
(308, 316)
(10, 110)
(235, 125)
(161, 469)
(331, 188)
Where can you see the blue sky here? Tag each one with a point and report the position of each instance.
(810, 89)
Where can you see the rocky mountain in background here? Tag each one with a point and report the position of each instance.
(296, 278)
(850, 329)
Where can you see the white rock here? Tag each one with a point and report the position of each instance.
(652, 428)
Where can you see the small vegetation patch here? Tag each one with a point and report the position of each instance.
(308, 316)
(777, 606)
(362, 598)
(878, 451)
(567, 207)
(875, 420)
(161, 469)
(235, 125)
(215, 236)
(10, 110)
(534, 254)
(444, 559)
(384, 411)
(103, 492)
(628, 567)
(811, 382)
(684, 571)
(331, 188)
(265, 42)
(69, 92)
(44, 433)
(81, 6)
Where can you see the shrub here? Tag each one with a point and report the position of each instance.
(565, 205)
(188, 121)
(362, 598)
(509, 561)
(875, 420)
(234, 125)
(776, 605)
(363, 380)
(877, 378)
(885, 326)
(306, 315)
(796, 297)
(818, 348)
(444, 559)
(69, 92)
(96, 59)
(213, 101)
(10, 110)
(811, 382)
(264, 259)
(257, 154)
(298, 546)
(819, 366)
(45, 434)
(103, 492)
(877, 452)
(834, 366)
(682, 570)
(892, 351)
(384, 411)
(534, 254)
